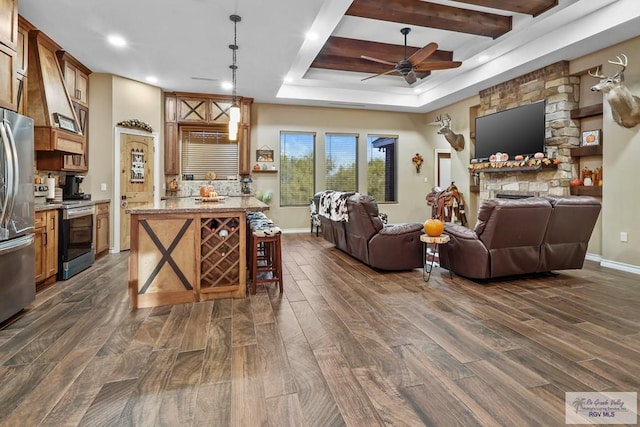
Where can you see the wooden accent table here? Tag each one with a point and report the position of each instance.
(427, 265)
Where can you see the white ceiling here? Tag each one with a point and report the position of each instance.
(185, 45)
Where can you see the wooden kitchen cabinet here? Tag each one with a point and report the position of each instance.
(101, 221)
(210, 111)
(171, 149)
(8, 54)
(76, 77)
(46, 242)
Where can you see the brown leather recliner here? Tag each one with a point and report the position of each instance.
(365, 237)
(570, 226)
(514, 237)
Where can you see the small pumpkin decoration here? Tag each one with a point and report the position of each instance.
(433, 227)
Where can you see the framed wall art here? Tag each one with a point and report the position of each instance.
(264, 155)
(591, 137)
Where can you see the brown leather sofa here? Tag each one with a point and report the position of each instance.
(515, 237)
(365, 237)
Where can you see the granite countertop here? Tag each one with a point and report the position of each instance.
(194, 205)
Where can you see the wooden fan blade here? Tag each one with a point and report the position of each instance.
(424, 53)
(436, 65)
(381, 61)
(381, 74)
(410, 77)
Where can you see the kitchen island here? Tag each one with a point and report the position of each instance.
(185, 250)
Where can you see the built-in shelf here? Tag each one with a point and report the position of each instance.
(474, 188)
(265, 171)
(582, 190)
(591, 150)
(588, 111)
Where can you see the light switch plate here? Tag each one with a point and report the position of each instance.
(103, 187)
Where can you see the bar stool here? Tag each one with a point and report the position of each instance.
(265, 263)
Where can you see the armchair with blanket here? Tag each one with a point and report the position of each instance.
(352, 222)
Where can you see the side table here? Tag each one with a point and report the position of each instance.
(427, 265)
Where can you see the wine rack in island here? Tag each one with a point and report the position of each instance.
(222, 265)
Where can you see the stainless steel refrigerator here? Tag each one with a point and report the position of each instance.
(17, 241)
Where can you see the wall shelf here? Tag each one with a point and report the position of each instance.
(510, 169)
(265, 171)
(588, 111)
(581, 190)
(593, 150)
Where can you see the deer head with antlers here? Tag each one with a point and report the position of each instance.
(456, 140)
(625, 107)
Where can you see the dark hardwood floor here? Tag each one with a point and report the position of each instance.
(345, 345)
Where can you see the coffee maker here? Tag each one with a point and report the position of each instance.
(72, 188)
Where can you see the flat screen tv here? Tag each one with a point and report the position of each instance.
(519, 130)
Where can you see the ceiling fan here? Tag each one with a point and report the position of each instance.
(407, 67)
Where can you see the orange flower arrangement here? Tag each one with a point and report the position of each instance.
(417, 161)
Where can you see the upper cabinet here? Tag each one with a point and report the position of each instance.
(76, 77)
(9, 84)
(184, 109)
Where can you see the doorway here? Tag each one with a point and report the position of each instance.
(136, 178)
(442, 168)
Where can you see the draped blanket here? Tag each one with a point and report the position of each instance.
(333, 205)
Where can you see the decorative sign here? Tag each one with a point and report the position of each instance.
(264, 155)
(137, 165)
(591, 137)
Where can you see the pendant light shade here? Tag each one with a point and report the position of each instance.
(234, 113)
(233, 131)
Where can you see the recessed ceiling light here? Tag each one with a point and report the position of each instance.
(312, 35)
(417, 90)
(288, 79)
(116, 40)
(483, 58)
(227, 85)
(151, 79)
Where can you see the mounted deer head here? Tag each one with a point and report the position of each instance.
(456, 140)
(625, 107)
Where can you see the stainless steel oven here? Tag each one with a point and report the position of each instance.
(75, 238)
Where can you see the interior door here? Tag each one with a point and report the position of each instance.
(136, 179)
(443, 178)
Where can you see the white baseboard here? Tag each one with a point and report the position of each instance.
(629, 268)
(296, 230)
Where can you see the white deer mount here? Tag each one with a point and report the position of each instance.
(455, 140)
(625, 107)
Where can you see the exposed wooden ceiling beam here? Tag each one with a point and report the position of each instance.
(528, 7)
(424, 14)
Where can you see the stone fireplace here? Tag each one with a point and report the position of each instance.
(561, 92)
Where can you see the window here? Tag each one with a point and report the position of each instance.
(208, 151)
(297, 168)
(381, 167)
(341, 165)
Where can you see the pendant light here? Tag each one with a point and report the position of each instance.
(234, 111)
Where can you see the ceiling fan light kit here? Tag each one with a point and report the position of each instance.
(408, 66)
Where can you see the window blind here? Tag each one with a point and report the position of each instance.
(341, 162)
(208, 151)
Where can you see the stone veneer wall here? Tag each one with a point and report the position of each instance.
(561, 92)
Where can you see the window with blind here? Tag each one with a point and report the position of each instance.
(206, 150)
(381, 167)
(297, 168)
(341, 170)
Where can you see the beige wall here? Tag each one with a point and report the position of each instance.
(269, 119)
(621, 146)
(112, 100)
(460, 124)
